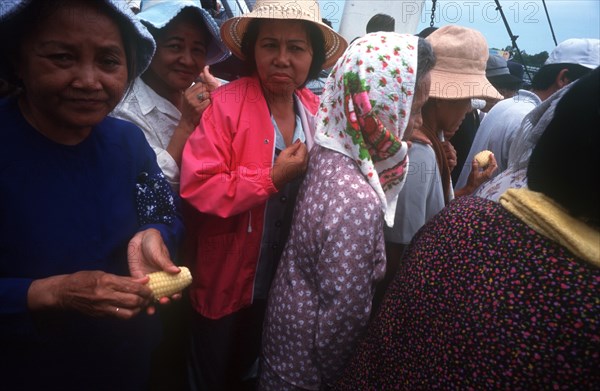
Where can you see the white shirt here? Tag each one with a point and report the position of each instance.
(158, 118)
(498, 129)
(421, 198)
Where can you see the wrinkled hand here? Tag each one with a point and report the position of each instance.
(290, 164)
(197, 97)
(148, 253)
(477, 176)
(450, 154)
(93, 293)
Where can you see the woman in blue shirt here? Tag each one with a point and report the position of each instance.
(85, 212)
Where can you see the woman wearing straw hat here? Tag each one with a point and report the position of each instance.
(458, 77)
(240, 173)
(321, 296)
(165, 102)
(74, 248)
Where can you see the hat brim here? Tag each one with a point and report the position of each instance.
(233, 30)
(455, 86)
(505, 81)
(159, 16)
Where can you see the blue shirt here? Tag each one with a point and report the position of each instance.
(65, 209)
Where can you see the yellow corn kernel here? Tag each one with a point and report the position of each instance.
(165, 284)
(483, 158)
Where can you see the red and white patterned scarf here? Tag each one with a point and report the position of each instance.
(365, 109)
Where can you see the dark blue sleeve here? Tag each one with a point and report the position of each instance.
(158, 206)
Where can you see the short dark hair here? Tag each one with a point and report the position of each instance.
(315, 37)
(562, 163)
(381, 22)
(546, 76)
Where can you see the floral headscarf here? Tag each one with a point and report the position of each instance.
(365, 109)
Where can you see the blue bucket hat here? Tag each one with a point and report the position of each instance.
(158, 13)
(145, 45)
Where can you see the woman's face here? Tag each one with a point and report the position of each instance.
(283, 55)
(180, 56)
(421, 95)
(74, 68)
(451, 114)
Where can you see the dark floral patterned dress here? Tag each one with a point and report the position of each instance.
(483, 302)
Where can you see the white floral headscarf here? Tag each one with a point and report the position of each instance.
(365, 109)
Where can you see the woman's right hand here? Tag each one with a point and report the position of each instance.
(290, 164)
(93, 293)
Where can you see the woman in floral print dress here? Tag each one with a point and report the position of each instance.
(321, 297)
(502, 296)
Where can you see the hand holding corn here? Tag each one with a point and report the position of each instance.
(165, 284)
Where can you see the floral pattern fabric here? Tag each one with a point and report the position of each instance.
(365, 109)
(483, 302)
(321, 297)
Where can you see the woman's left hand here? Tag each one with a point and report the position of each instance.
(477, 176)
(148, 253)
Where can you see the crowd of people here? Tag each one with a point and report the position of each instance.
(336, 240)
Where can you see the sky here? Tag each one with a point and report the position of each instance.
(526, 18)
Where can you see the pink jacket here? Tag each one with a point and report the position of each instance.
(226, 182)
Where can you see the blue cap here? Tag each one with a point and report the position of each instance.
(144, 42)
(158, 13)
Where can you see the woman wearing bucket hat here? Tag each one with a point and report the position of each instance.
(321, 297)
(240, 173)
(165, 102)
(457, 78)
(74, 251)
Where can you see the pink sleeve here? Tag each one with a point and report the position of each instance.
(225, 171)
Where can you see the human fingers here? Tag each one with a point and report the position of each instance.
(148, 253)
(211, 82)
(97, 294)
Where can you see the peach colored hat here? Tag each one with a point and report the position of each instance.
(459, 71)
(233, 29)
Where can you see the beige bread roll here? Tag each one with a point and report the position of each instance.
(483, 158)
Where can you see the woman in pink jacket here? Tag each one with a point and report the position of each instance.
(241, 170)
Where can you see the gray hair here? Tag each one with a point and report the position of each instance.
(425, 58)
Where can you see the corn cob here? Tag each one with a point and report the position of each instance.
(483, 158)
(165, 284)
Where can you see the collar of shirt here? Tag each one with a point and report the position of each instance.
(148, 99)
(298, 131)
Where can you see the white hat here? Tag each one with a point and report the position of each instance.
(158, 13)
(582, 51)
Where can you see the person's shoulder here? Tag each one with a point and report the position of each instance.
(419, 152)
(476, 209)
(116, 128)
(235, 94)
(309, 99)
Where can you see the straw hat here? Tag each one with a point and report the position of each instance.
(233, 29)
(158, 13)
(459, 71)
